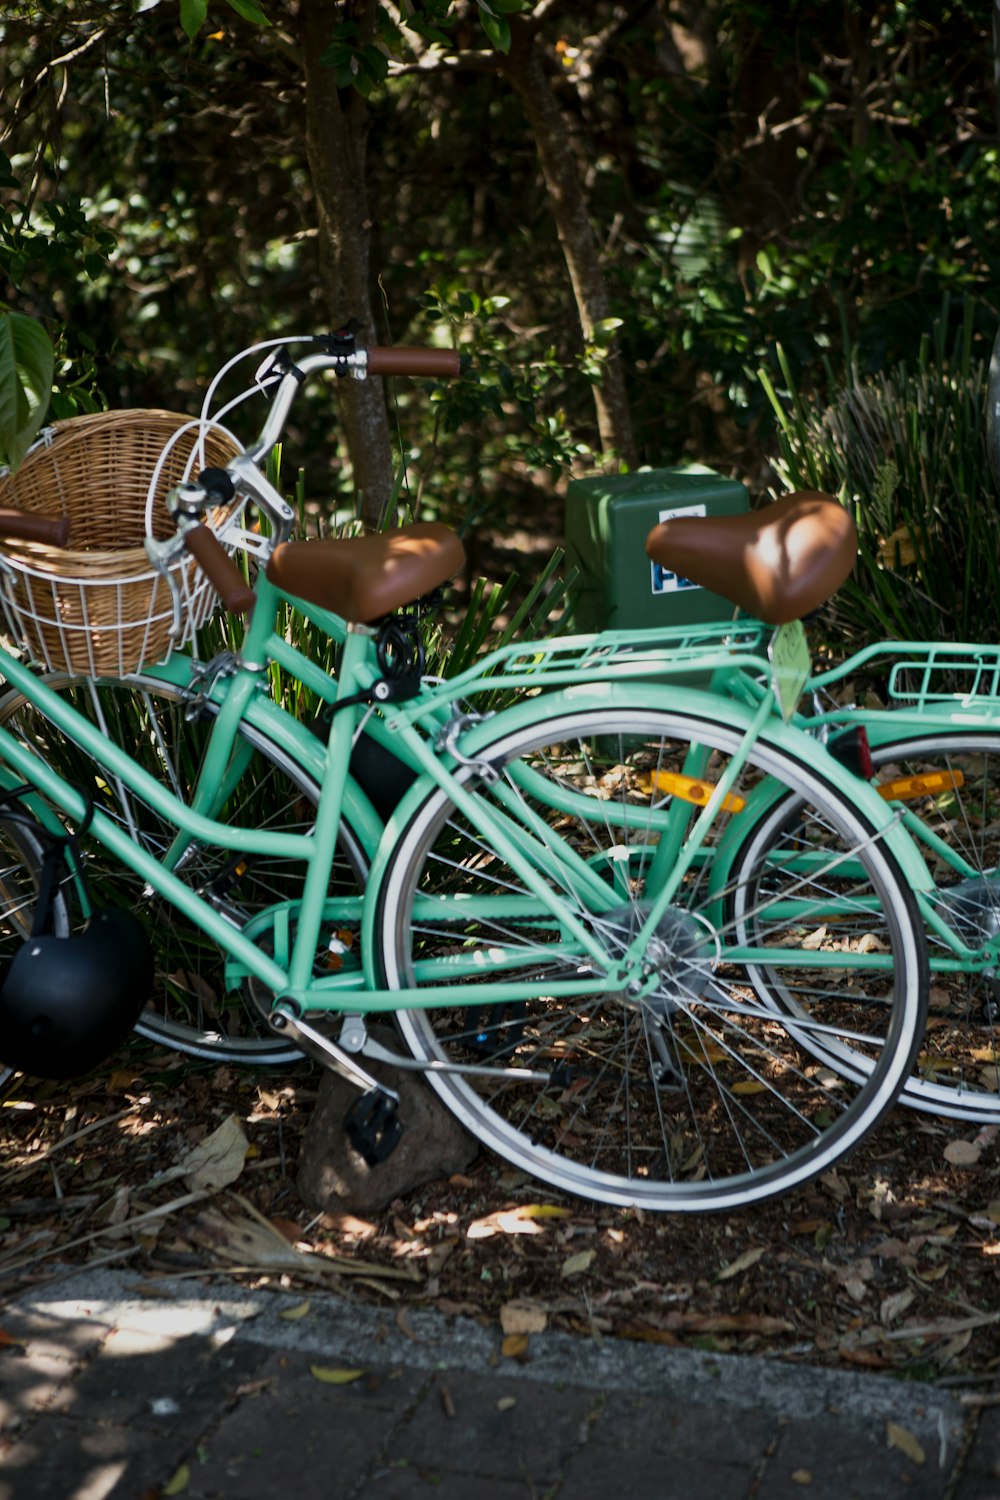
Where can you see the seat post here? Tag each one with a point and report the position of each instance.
(358, 650)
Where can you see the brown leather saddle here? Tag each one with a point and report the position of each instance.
(777, 563)
(365, 577)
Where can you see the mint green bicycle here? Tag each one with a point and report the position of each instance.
(545, 884)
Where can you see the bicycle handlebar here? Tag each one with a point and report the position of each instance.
(222, 573)
(444, 364)
(25, 526)
(192, 499)
(440, 364)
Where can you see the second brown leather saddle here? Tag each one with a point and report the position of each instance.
(777, 563)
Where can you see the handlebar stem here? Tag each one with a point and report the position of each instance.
(250, 481)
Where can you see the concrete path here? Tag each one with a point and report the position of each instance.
(112, 1386)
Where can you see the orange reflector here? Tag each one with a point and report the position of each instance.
(906, 788)
(690, 789)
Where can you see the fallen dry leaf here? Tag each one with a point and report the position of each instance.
(293, 1314)
(835, 1184)
(741, 1263)
(218, 1160)
(525, 1219)
(870, 1359)
(287, 1227)
(962, 1153)
(801, 1476)
(403, 1324)
(575, 1265)
(895, 1306)
(932, 1273)
(515, 1346)
(506, 1402)
(439, 1256)
(353, 1228)
(736, 1323)
(645, 1335)
(945, 1354)
(178, 1482)
(904, 1440)
(521, 1315)
(332, 1375)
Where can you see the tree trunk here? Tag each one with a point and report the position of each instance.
(336, 138)
(524, 71)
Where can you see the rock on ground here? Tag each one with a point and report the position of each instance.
(334, 1177)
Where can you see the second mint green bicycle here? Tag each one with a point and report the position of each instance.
(927, 738)
(537, 866)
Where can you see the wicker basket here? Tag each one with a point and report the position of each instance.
(98, 606)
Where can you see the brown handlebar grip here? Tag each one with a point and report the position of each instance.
(222, 573)
(23, 526)
(443, 364)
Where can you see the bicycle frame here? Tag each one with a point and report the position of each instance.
(573, 673)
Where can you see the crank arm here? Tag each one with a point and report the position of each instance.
(359, 1041)
(316, 1045)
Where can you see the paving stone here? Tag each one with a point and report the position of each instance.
(60, 1459)
(976, 1487)
(30, 1383)
(291, 1379)
(530, 1438)
(984, 1455)
(684, 1432)
(600, 1471)
(295, 1428)
(161, 1384)
(407, 1483)
(843, 1463)
(57, 1338)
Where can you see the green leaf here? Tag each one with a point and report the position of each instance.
(497, 29)
(249, 12)
(26, 368)
(193, 13)
(375, 62)
(390, 34)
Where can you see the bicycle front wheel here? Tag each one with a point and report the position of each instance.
(193, 1007)
(688, 1094)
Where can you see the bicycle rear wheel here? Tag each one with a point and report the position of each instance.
(193, 1008)
(690, 1095)
(946, 784)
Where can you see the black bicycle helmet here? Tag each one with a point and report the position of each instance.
(67, 999)
(68, 1003)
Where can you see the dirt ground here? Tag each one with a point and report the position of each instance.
(892, 1262)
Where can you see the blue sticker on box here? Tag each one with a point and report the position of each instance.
(662, 581)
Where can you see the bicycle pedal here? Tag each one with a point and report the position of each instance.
(373, 1126)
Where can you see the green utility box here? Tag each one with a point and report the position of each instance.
(608, 519)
